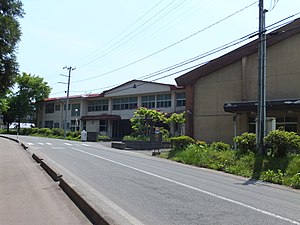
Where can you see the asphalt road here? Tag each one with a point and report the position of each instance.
(136, 188)
(28, 196)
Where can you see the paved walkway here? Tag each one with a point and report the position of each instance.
(28, 195)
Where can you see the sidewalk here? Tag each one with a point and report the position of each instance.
(28, 195)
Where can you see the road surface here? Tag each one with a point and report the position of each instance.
(136, 188)
(28, 195)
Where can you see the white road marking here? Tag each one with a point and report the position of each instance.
(68, 144)
(29, 143)
(194, 188)
(85, 145)
(57, 148)
(48, 143)
(109, 203)
(40, 143)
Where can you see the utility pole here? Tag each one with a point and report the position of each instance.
(261, 109)
(67, 101)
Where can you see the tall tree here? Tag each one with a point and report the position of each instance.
(31, 89)
(10, 33)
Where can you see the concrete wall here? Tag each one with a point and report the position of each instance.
(238, 82)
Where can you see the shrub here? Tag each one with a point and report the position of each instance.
(295, 181)
(202, 144)
(272, 176)
(293, 166)
(220, 146)
(26, 131)
(181, 141)
(246, 142)
(193, 155)
(103, 138)
(74, 135)
(279, 142)
(58, 132)
(136, 138)
(34, 130)
(44, 131)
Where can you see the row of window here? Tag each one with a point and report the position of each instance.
(148, 101)
(98, 105)
(75, 108)
(289, 123)
(75, 125)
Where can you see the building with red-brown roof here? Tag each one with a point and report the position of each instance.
(109, 112)
(221, 96)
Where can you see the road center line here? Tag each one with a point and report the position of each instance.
(193, 188)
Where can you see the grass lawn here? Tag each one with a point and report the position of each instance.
(284, 170)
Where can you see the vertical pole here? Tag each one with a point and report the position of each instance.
(67, 101)
(234, 129)
(261, 110)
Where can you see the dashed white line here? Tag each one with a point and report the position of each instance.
(194, 188)
(68, 144)
(40, 143)
(57, 148)
(48, 143)
(29, 143)
(85, 145)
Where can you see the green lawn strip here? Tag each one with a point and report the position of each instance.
(284, 170)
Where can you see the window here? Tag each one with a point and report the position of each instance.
(164, 101)
(103, 125)
(148, 101)
(98, 105)
(75, 110)
(48, 124)
(289, 123)
(84, 125)
(56, 125)
(180, 99)
(57, 107)
(50, 108)
(75, 124)
(252, 125)
(124, 103)
(69, 107)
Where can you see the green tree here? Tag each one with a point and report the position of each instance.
(176, 120)
(145, 120)
(10, 113)
(31, 89)
(10, 33)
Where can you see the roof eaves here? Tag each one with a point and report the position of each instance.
(250, 48)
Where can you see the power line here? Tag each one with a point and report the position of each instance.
(165, 48)
(131, 38)
(142, 42)
(208, 53)
(119, 34)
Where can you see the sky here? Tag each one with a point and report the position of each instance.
(108, 43)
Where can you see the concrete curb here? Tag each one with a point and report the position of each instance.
(68, 188)
(37, 158)
(13, 139)
(85, 207)
(54, 175)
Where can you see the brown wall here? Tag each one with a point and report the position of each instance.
(238, 82)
